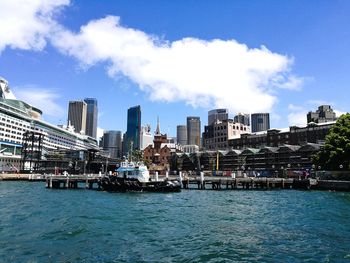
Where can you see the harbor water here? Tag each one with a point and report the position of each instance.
(44, 225)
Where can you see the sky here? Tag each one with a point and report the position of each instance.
(177, 58)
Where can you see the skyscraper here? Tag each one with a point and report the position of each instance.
(77, 115)
(260, 122)
(91, 117)
(193, 131)
(112, 143)
(133, 128)
(146, 136)
(217, 114)
(242, 118)
(181, 134)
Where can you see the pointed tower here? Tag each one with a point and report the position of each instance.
(157, 132)
(158, 137)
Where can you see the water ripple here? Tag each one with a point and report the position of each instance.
(42, 225)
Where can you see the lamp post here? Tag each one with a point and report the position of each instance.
(282, 168)
(319, 172)
(85, 163)
(313, 171)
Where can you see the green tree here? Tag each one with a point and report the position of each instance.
(137, 155)
(335, 154)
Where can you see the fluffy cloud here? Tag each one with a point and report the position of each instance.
(297, 115)
(25, 24)
(100, 132)
(216, 73)
(43, 99)
(297, 118)
(202, 73)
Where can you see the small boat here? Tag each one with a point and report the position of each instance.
(132, 176)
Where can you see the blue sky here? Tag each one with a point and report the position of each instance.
(178, 58)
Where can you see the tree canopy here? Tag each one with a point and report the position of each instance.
(335, 155)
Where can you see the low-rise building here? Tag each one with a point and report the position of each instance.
(158, 155)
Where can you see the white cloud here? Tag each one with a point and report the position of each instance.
(297, 118)
(293, 107)
(316, 103)
(99, 132)
(298, 114)
(214, 73)
(25, 24)
(43, 99)
(338, 113)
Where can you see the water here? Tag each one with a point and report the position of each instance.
(45, 225)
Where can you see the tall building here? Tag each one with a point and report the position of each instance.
(242, 118)
(77, 115)
(217, 136)
(91, 117)
(112, 143)
(146, 136)
(260, 122)
(217, 115)
(324, 114)
(133, 129)
(181, 134)
(193, 131)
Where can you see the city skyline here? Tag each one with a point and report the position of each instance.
(47, 66)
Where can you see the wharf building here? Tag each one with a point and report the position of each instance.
(91, 117)
(267, 161)
(270, 153)
(217, 135)
(193, 131)
(217, 115)
(312, 133)
(132, 137)
(112, 144)
(77, 111)
(190, 148)
(324, 114)
(21, 125)
(260, 122)
(181, 134)
(242, 118)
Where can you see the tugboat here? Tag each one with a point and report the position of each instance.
(135, 177)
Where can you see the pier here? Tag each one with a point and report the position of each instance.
(217, 183)
(72, 181)
(225, 183)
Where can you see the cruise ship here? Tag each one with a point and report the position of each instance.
(18, 117)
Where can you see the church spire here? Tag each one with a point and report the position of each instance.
(158, 126)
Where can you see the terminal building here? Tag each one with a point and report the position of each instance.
(21, 126)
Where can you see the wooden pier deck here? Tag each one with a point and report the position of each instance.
(209, 183)
(224, 183)
(72, 181)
